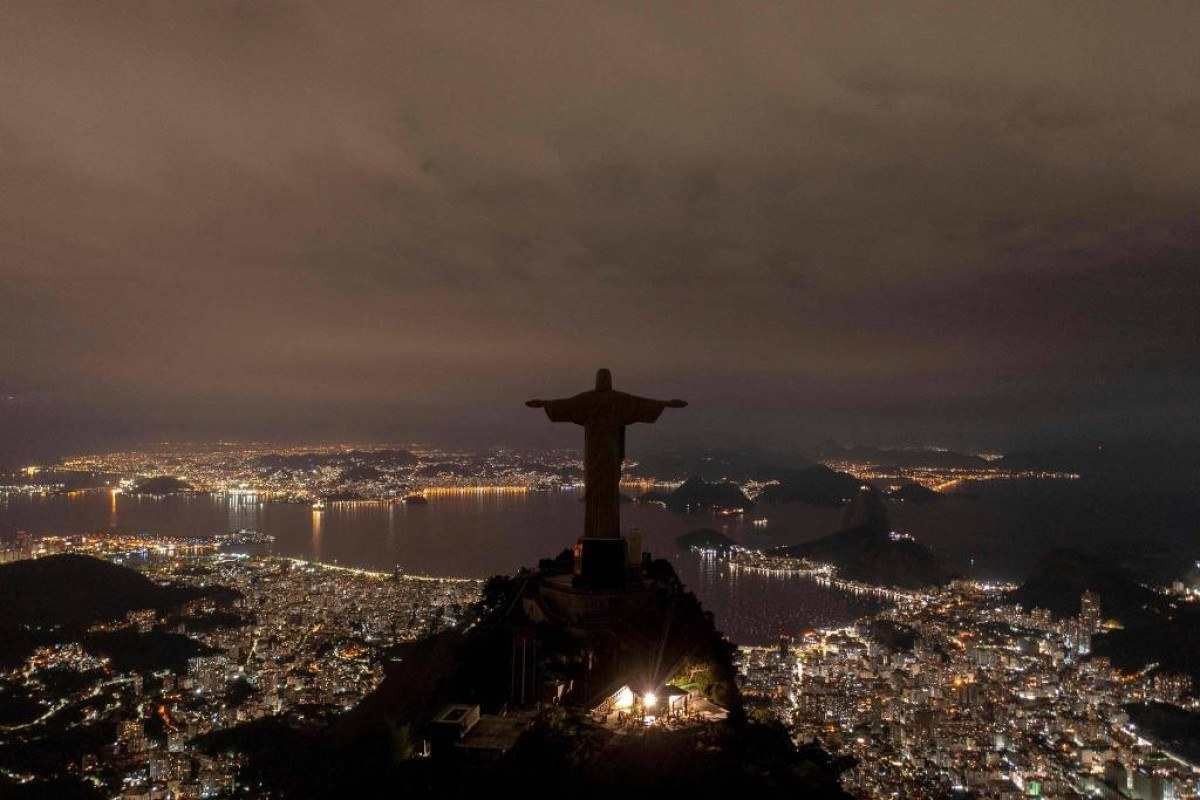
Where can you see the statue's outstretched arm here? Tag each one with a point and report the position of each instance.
(662, 403)
(645, 409)
(565, 409)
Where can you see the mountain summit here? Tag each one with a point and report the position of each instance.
(867, 550)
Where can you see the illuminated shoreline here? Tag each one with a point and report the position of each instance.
(368, 573)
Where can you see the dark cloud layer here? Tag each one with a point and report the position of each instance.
(970, 223)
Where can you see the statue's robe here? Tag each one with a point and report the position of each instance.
(603, 415)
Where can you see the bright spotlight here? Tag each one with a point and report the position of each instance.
(649, 700)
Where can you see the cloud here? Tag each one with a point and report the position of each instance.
(223, 212)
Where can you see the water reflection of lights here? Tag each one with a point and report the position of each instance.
(316, 534)
(710, 565)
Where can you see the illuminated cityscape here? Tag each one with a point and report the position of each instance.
(409, 399)
(956, 692)
(349, 473)
(291, 639)
(332, 472)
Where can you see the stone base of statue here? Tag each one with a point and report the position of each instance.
(603, 562)
(561, 599)
(607, 580)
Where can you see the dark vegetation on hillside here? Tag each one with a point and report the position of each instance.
(79, 590)
(160, 485)
(1156, 629)
(1064, 574)
(457, 666)
(56, 789)
(696, 494)
(54, 599)
(893, 635)
(361, 472)
(61, 742)
(1171, 642)
(559, 753)
(131, 651)
(705, 538)
(1179, 728)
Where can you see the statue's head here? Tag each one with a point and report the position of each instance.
(603, 380)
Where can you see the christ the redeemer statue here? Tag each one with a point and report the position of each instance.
(603, 413)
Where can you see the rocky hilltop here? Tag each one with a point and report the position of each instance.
(534, 679)
(54, 599)
(71, 590)
(697, 494)
(1064, 574)
(705, 539)
(867, 550)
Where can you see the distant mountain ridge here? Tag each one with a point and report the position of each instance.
(1150, 465)
(816, 485)
(903, 457)
(713, 465)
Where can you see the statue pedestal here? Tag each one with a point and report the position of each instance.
(590, 607)
(607, 583)
(601, 563)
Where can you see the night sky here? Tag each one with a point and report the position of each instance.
(977, 227)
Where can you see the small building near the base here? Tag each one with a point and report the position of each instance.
(460, 730)
(675, 702)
